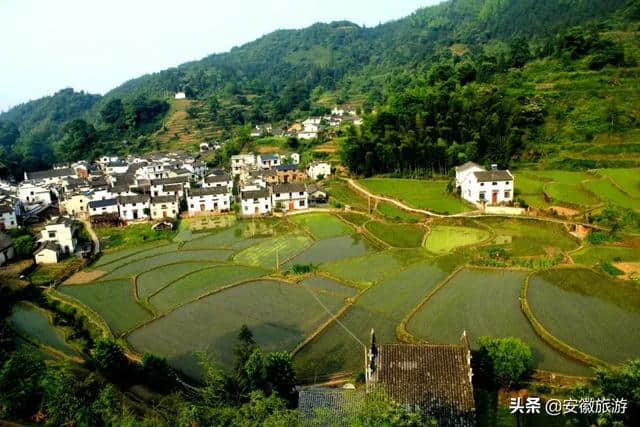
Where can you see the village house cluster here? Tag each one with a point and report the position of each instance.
(157, 187)
(311, 127)
(268, 183)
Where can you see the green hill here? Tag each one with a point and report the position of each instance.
(466, 48)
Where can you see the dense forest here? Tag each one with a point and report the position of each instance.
(445, 63)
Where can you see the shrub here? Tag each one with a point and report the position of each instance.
(304, 268)
(611, 269)
(509, 359)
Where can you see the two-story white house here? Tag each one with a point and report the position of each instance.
(292, 196)
(164, 207)
(491, 187)
(218, 180)
(103, 207)
(267, 161)
(318, 170)
(133, 208)
(61, 231)
(8, 218)
(256, 202)
(201, 201)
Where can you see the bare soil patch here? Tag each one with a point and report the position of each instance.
(84, 277)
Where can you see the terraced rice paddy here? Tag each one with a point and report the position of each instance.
(322, 284)
(443, 239)
(627, 179)
(33, 323)
(397, 235)
(146, 264)
(130, 255)
(394, 213)
(589, 312)
(112, 300)
(278, 249)
(279, 314)
(368, 269)
(604, 189)
(322, 226)
(200, 283)
(381, 308)
(333, 249)
(529, 238)
(593, 255)
(484, 302)
(152, 281)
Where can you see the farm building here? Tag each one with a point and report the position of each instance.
(212, 199)
(480, 186)
(434, 378)
(289, 197)
(48, 253)
(180, 95)
(267, 161)
(256, 202)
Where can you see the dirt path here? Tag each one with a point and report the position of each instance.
(94, 237)
(471, 214)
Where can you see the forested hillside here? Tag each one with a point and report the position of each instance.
(466, 79)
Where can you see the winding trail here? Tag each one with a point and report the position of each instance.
(94, 237)
(470, 214)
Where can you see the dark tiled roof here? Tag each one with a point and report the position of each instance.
(255, 194)
(174, 180)
(284, 168)
(289, 188)
(117, 163)
(486, 176)
(433, 377)
(125, 200)
(335, 404)
(173, 187)
(208, 191)
(52, 173)
(264, 157)
(163, 199)
(263, 172)
(5, 242)
(48, 245)
(466, 166)
(103, 203)
(217, 178)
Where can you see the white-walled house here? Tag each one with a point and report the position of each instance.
(463, 172)
(295, 158)
(48, 253)
(51, 176)
(267, 161)
(257, 202)
(218, 180)
(206, 200)
(164, 207)
(31, 194)
(133, 208)
(180, 95)
(317, 169)
(103, 207)
(488, 187)
(291, 196)
(62, 232)
(8, 218)
(167, 186)
(240, 162)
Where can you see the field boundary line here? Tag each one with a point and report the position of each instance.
(402, 334)
(132, 254)
(549, 338)
(148, 297)
(89, 312)
(47, 348)
(161, 315)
